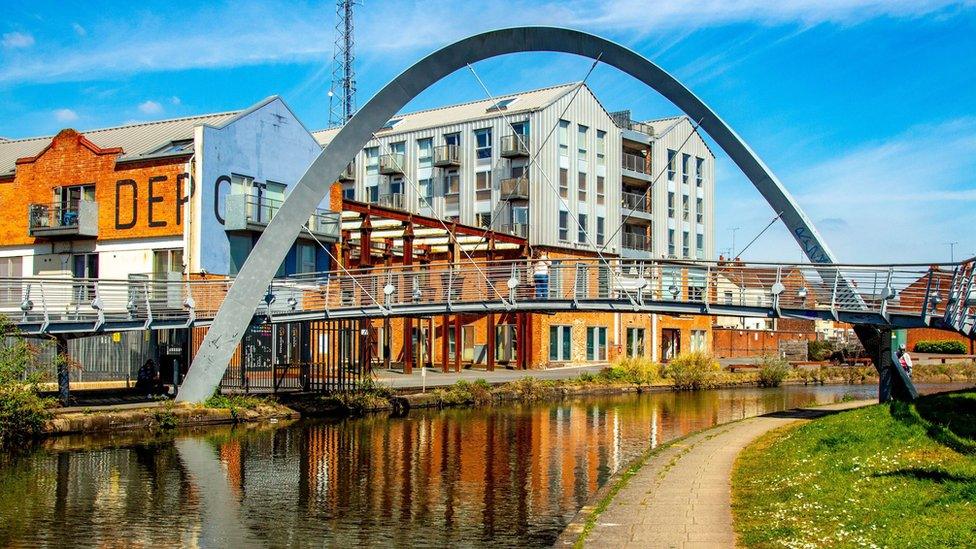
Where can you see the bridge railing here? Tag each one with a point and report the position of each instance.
(760, 288)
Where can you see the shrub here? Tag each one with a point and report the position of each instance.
(772, 371)
(819, 350)
(943, 347)
(234, 403)
(22, 410)
(464, 392)
(366, 395)
(530, 388)
(636, 370)
(692, 371)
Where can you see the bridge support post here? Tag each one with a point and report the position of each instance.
(457, 343)
(490, 351)
(893, 382)
(64, 380)
(408, 285)
(445, 323)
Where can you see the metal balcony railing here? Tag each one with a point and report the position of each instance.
(394, 200)
(515, 146)
(348, 174)
(635, 163)
(63, 220)
(392, 164)
(898, 295)
(447, 156)
(634, 241)
(517, 229)
(245, 212)
(515, 188)
(636, 202)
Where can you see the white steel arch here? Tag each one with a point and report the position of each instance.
(239, 305)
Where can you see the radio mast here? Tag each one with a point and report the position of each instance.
(342, 95)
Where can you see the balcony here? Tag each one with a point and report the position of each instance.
(635, 241)
(515, 188)
(515, 146)
(246, 213)
(348, 174)
(394, 201)
(635, 163)
(392, 164)
(447, 156)
(636, 204)
(63, 221)
(516, 229)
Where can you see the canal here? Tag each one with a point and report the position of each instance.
(504, 476)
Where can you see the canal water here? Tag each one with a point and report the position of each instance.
(506, 476)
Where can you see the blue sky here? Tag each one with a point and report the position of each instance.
(865, 109)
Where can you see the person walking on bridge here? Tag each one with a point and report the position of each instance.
(905, 359)
(541, 276)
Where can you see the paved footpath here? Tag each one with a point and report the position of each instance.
(682, 496)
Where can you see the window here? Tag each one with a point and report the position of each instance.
(425, 153)
(728, 297)
(372, 160)
(581, 143)
(564, 182)
(671, 248)
(391, 123)
(349, 191)
(452, 139)
(601, 191)
(671, 161)
(670, 204)
(635, 342)
(483, 219)
(564, 138)
(372, 193)
(426, 191)
(305, 258)
(483, 143)
(502, 104)
(396, 185)
(563, 225)
(601, 148)
(582, 186)
(596, 343)
(581, 230)
(84, 266)
(11, 267)
(482, 185)
(398, 148)
(167, 261)
(699, 210)
(700, 246)
(685, 167)
(699, 171)
(599, 230)
(685, 207)
(521, 128)
(452, 182)
(685, 243)
(698, 340)
(560, 342)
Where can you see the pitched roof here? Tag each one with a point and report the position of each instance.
(521, 102)
(137, 141)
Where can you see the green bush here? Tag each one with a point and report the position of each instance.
(692, 371)
(635, 370)
(819, 350)
(943, 347)
(772, 371)
(465, 392)
(22, 410)
(365, 396)
(234, 403)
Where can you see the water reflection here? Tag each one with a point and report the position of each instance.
(506, 476)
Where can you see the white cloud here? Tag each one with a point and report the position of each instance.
(79, 30)
(17, 40)
(65, 115)
(175, 100)
(150, 107)
(305, 32)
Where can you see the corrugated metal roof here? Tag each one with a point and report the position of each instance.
(136, 140)
(465, 112)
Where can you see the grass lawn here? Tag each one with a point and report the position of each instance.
(883, 476)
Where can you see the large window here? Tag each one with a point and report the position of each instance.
(426, 191)
(372, 160)
(698, 341)
(671, 248)
(601, 190)
(670, 204)
(581, 230)
(635, 342)
(452, 182)
(671, 161)
(582, 186)
(581, 144)
(12, 268)
(685, 243)
(560, 343)
(699, 210)
(601, 148)
(699, 171)
(425, 153)
(685, 207)
(700, 246)
(564, 182)
(166, 262)
(563, 225)
(596, 343)
(564, 138)
(685, 167)
(482, 185)
(483, 143)
(600, 222)
(305, 258)
(84, 266)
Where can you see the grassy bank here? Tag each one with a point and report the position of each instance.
(887, 475)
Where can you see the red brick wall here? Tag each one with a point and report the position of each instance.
(735, 343)
(931, 334)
